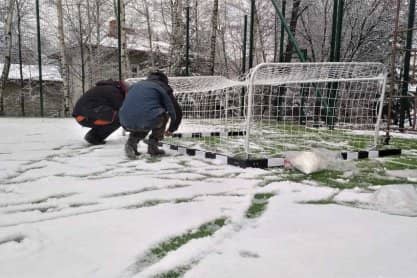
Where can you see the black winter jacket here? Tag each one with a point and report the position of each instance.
(101, 102)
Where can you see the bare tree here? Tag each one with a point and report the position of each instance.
(63, 58)
(91, 65)
(293, 28)
(177, 42)
(149, 27)
(123, 36)
(8, 43)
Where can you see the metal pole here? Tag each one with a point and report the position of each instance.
(119, 40)
(381, 107)
(415, 111)
(249, 110)
(334, 30)
(38, 24)
(245, 38)
(187, 50)
(393, 70)
(276, 38)
(244, 51)
(81, 49)
(282, 38)
(287, 29)
(251, 34)
(335, 57)
(406, 77)
(19, 37)
(339, 25)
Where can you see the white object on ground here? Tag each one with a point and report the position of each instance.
(309, 162)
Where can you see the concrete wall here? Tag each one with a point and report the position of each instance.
(53, 99)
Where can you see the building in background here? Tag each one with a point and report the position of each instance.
(18, 98)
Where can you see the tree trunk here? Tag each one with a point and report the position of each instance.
(149, 26)
(293, 28)
(214, 20)
(98, 73)
(8, 43)
(258, 31)
(90, 45)
(197, 37)
(177, 37)
(63, 60)
(125, 54)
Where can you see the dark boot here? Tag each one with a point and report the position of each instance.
(131, 146)
(92, 138)
(153, 148)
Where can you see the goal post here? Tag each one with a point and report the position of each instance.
(315, 105)
(282, 107)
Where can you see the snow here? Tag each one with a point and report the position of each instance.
(31, 72)
(409, 174)
(397, 199)
(72, 210)
(136, 43)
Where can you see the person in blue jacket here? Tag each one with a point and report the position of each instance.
(147, 107)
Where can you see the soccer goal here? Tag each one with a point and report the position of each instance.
(282, 107)
(303, 105)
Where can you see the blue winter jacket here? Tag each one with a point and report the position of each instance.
(144, 103)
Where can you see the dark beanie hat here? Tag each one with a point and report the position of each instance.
(158, 75)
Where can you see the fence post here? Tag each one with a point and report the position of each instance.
(289, 33)
(251, 34)
(39, 57)
(19, 41)
(81, 48)
(334, 30)
(245, 38)
(404, 103)
(244, 51)
(187, 49)
(339, 25)
(119, 40)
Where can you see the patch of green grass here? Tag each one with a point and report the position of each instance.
(405, 144)
(267, 182)
(362, 179)
(183, 163)
(159, 251)
(259, 203)
(319, 202)
(368, 173)
(326, 201)
(401, 163)
(174, 243)
(175, 273)
(183, 200)
(148, 203)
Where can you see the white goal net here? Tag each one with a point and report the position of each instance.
(282, 107)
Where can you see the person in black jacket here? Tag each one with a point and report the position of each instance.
(147, 107)
(98, 108)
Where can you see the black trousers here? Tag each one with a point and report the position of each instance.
(101, 132)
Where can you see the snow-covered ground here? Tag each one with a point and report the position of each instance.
(72, 210)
